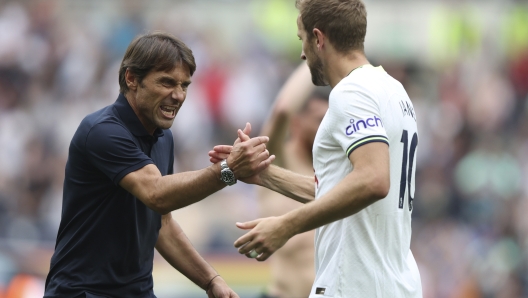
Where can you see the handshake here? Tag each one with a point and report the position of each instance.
(245, 160)
(250, 162)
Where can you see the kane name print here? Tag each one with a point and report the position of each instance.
(407, 109)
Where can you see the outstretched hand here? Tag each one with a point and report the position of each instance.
(266, 236)
(247, 157)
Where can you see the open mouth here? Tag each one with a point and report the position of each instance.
(168, 111)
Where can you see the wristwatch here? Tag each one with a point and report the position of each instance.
(226, 174)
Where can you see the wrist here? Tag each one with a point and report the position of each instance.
(216, 169)
(265, 178)
(209, 285)
(289, 224)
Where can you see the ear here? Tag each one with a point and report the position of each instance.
(319, 37)
(130, 80)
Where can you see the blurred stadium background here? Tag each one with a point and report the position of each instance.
(463, 63)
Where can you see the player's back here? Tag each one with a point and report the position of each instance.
(368, 254)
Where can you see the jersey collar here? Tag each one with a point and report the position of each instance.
(378, 68)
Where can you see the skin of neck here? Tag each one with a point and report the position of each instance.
(130, 96)
(337, 65)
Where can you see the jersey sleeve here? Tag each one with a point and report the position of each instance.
(111, 149)
(357, 119)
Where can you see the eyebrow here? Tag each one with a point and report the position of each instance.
(170, 80)
(166, 79)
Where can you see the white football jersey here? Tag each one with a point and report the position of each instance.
(367, 255)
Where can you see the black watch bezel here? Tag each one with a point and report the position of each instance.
(226, 175)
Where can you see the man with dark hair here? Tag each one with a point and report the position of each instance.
(119, 187)
(364, 161)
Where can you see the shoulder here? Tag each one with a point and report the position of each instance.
(363, 87)
(99, 124)
(352, 93)
(362, 80)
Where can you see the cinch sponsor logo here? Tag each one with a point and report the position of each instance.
(360, 124)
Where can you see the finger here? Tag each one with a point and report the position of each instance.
(265, 163)
(263, 257)
(247, 129)
(262, 156)
(258, 140)
(223, 148)
(247, 248)
(214, 160)
(243, 240)
(243, 137)
(234, 295)
(260, 148)
(214, 153)
(218, 155)
(248, 224)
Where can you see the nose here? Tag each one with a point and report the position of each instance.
(303, 56)
(178, 94)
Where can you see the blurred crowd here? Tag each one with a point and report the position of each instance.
(468, 82)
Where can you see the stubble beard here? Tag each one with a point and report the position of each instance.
(150, 114)
(316, 70)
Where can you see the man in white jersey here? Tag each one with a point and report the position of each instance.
(364, 161)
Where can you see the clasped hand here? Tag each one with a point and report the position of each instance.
(247, 157)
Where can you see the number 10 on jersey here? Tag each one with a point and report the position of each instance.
(407, 171)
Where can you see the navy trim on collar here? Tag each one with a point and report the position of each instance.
(131, 120)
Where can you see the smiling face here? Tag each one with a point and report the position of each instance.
(308, 53)
(159, 97)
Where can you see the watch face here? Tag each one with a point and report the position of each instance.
(228, 177)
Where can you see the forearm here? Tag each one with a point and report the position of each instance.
(166, 193)
(350, 196)
(296, 186)
(176, 248)
(182, 189)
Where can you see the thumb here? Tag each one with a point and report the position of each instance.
(242, 136)
(247, 129)
(248, 225)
